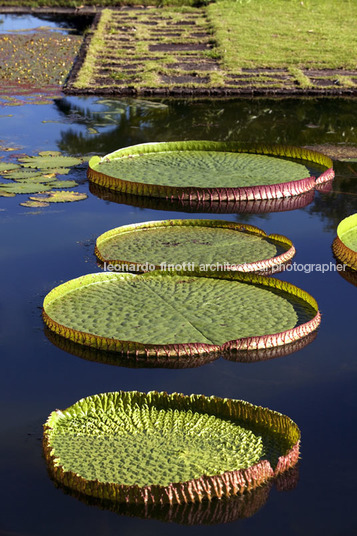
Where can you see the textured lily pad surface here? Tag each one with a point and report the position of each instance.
(59, 197)
(38, 174)
(34, 204)
(345, 245)
(156, 440)
(192, 244)
(160, 309)
(347, 232)
(203, 169)
(21, 188)
(49, 161)
(207, 170)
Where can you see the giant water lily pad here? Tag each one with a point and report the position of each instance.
(345, 244)
(158, 313)
(199, 205)
(160, 448)
(208, 171)
(192, 246)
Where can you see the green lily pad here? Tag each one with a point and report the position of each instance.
(60, 197)
(192, 246)
(345, 245)
(64, 184)
(347, 232)
(6, 166)
(215, 170)
(20, 188)
(160, 312)
(39, 178)
(23, 174)
(6, 194)
(34, 204)
(155, 447)
(48, 162)
(204, 169)
(49, 153)
(57, 171)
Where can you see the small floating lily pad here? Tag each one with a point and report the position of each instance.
(39, 178)
(64, 184)
(49, 153)
(42, 162)
(6, 166)
(23, 174)
(345, 244)
(20, 188)
(34, 204)
(208, 171)
(159, 313)
(192, 246)
(60, 197)
(160, 448)
(3, 193)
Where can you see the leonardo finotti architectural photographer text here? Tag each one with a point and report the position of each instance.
(220, 267)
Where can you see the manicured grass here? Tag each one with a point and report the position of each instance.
(286, 33)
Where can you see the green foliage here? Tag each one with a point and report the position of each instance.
(280, 33)
(60, 197)
(347, 232)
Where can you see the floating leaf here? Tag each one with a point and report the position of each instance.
(40, 178)
(160, 448)
(57, 171)
(345, 244)
(6, 194)
(20, 188)
(23, 174)
(64, 184)
(198, 246)
(34, 204)
(213, 171)
(43, 162)
(49, 153)
(6, 166)
(159, 313)
(60, 197)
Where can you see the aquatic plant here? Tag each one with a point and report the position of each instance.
(345, 244)
(189, 244)
(208, 171)
(158, 448)
(37, 174)
(259, 206)
(59, 197)
(160, 314)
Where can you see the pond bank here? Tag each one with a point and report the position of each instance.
(170, 51)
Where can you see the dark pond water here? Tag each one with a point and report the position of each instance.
(76, 24)
(41, 248)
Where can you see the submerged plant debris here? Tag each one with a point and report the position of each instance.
(35, 65)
